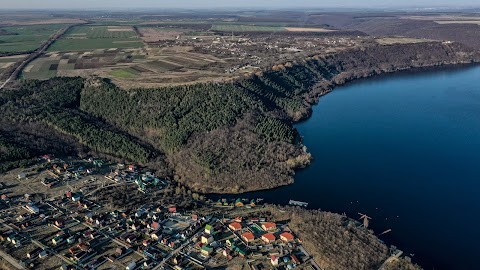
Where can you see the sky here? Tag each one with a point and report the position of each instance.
(120, 4)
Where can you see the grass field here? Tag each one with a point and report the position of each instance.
(6, 62)
(459, 22)
(126, 73)
(25, 38)
(82, 38)
(246, 28)
(399, 40)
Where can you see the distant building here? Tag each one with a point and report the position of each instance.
(22, 175)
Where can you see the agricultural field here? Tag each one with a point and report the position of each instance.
(156, 34)
(138, 66)
(7, 61)
(265, 28)
(305, 29)
(25, 38)
(477, 22)
(399, 40)
(83, 38)
(246, 28)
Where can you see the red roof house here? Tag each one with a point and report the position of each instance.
(235, 226)
(248, 237)
(268, 237)
(286, 237)
(267, 226)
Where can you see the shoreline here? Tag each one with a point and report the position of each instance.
(317, 95)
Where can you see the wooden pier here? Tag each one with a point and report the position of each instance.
(298, 203)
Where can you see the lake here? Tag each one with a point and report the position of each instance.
(404, 149)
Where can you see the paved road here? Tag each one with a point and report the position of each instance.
(13, 76)
(170, 255)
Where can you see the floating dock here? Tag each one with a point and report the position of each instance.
(298, 203)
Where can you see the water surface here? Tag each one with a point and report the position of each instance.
(405, 150)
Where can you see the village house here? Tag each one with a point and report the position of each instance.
(269, 226)
(235, 226)
(21, 176)
(286, 237)
(268, 238)
(206, 239)
(248, 237)
(209, 229)
(155, 236)
(154, 226)
(206, 250)
(274, 260)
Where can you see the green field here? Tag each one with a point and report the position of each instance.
(25, 38)
(97, 37)
(245, 28)
(125, 73)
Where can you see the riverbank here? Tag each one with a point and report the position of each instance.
(395, 147)
(325, 72)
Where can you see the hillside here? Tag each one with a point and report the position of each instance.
(212, 137)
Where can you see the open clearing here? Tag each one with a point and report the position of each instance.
(246, 28)
(442, 18)
(156, 34)
(303, 29)
(42, 22)
(459, 22)
(399, 40)
(25, 38)
(84, 38)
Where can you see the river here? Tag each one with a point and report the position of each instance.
(405, 150)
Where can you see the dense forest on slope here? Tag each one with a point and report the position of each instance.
(54, 103)
(216, 137)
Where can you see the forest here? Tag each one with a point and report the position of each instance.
(337, 242)
(225, 137)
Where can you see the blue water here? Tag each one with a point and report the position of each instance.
(405, 150)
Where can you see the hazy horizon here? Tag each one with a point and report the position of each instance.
(220, 4)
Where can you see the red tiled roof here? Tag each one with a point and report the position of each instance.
(235, 226)
(287, 236)
(269, 236)
(248, 236)
(269, 225)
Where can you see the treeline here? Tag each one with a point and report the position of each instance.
(13, 156)
(334, 241)
(173, 114)
(97, 138)
(56, 103)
